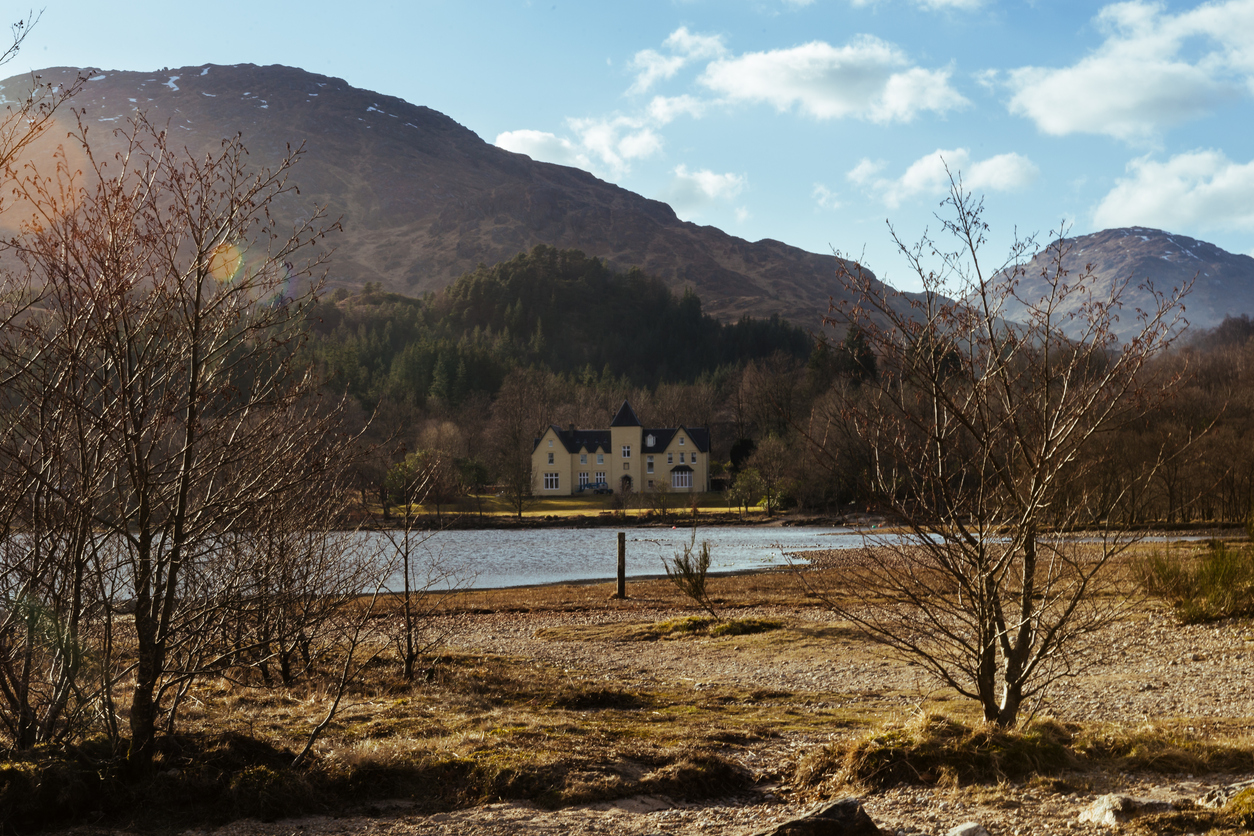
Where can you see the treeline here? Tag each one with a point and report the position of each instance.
(558, 310)
(780, 438)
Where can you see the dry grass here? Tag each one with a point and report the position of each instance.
(476, 727)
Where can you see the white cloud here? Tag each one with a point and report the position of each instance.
(1199, 190)
(606, 146)
(614, 142)
(692, 191)
(929, 175)
(868, 78)
(652, 66)
(825, 197)
(693, 46)
(665, 109)
(1153, 70)
(864, 172)
(540, 145)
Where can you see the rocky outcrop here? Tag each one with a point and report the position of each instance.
(835, 818)
(1115, 809)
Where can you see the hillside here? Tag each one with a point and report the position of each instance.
(423, 200)
(1223, 281)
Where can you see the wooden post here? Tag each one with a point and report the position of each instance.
(622, 564)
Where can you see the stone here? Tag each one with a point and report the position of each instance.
(835, 818)
(1220, 796)
(1116, 809)
(970, 828)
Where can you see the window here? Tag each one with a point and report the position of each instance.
(649, 440)
(550, 481)
(626, 451)
(681, 479)
(650, 483)
(681, 458)
(648, 461)
(670, 458)
(600, 458)
(583, 458)
(550, 458)
(626, 465)
(681, 441)
(583, 478)
(600, 475)
(550, 442)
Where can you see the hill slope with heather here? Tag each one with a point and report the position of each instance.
(423, 200)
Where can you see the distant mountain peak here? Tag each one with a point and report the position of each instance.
(1223, 282)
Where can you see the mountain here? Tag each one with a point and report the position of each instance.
(1223, 283)
(423, 200)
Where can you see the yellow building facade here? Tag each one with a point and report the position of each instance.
(627, 456)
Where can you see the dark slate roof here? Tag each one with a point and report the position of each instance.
(663, 436)
(683, 468)
(661, 439)
(626, 417)
(700, 436)
(574, 440)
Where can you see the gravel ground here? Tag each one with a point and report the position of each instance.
(1154, 670)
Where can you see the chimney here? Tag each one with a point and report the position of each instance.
(572, 429)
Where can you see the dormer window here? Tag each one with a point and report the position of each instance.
(649, 440)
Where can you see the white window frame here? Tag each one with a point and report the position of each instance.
(648, 464)
(600, 458)
(681, 479)
(626, 451)
(552, 482)
(681, 441)
(600, 476)
(583, 478)
(550, 458)
(583, 458)
(670, 458)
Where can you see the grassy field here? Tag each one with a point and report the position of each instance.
(587, 505)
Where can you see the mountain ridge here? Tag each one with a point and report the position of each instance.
(424, 199)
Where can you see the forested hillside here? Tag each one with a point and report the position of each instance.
(559, 310)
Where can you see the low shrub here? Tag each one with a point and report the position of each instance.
(1219, 584)
(933, 749)
(936, 750)
(1161, 749)
(704, 625)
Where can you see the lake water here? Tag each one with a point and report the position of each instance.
(496, 559)
(493, 559)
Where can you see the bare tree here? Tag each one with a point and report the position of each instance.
(978, 429)
(771, 461)
(183, 297)
(521, 411)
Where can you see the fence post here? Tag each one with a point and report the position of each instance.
(622, 564)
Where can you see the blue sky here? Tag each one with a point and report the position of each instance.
(807, 121)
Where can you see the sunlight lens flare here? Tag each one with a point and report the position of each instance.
(225, 262)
